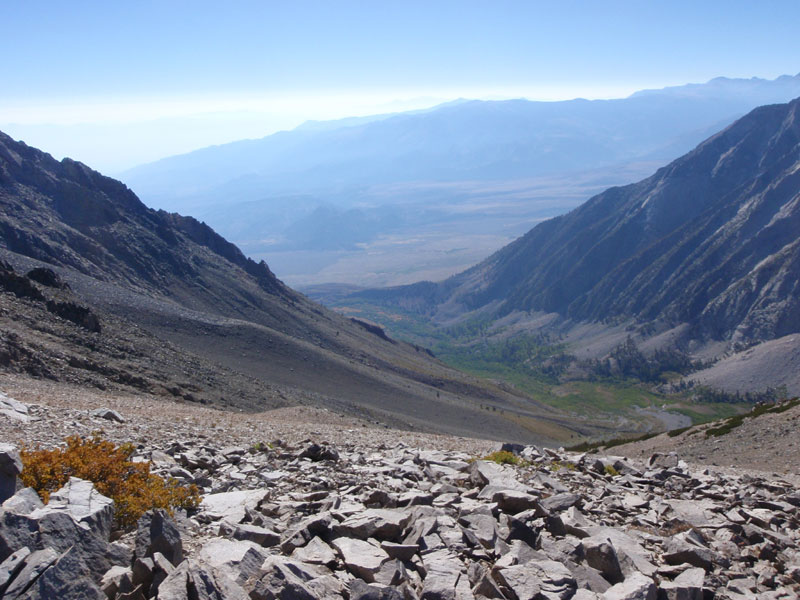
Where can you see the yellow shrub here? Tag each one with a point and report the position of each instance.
(131, 485)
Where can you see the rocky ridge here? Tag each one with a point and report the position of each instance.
(356, 513)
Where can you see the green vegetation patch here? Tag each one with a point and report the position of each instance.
(733, 422)
(504, 457)
(592, 446)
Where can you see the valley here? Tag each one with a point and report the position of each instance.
(400, 301)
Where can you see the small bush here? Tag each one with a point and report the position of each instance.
(677, 432)
(610, 470)
(557, 465)
(130, 484)
(503, 457)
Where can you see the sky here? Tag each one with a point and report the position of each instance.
(116, 84)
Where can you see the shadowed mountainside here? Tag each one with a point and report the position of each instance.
(709, 240)
(189, 306)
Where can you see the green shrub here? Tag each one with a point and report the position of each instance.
(131, 485)
(677, 432)
(504, 457)
(557, 465)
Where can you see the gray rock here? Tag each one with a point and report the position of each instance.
(380, 523)
(484, 527)
(24, 502)
(241, 560)
(279, 582)
(56, 526)
(10, 467)
(34, 565)
(361, 558)
(68, 577)
(663, 461)
(108, 414)
(316, 452)
(486, 587)
(157, 532)
(142, 572)
(251, 533)
(635, 587)
(11, 567)
(546, 578)
(686, 586)
(518, 581)
(484, 472)
(364, 591)
(13, 409)
(632, 556)
(305, 531)
(230, 506)
(677, 551)
(515, 501)
(392, 572)
(559, 502)
(117, 579)
(194, 581)
(175, 585)
(443, 571)
(85, 504)
(601, 555)
(316, 552)
(404, 552)
(205, 584)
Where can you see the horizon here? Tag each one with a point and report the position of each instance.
(115, 87)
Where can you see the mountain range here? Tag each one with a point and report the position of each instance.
(329, 202)
(706, 249)
(103, 291)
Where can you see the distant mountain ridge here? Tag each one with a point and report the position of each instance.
(458, 141)
(328, 201)
(710, 240)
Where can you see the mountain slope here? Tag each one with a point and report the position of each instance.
(187, 305)
(710, 240)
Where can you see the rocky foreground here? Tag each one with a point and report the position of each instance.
(362, 519)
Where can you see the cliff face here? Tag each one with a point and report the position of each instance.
(710, 239)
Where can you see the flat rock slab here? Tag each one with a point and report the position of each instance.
(380, 523)
(635, 587)
(13, 409)
(443, 571)
(316, 552)
(361, 558)
(230, 506)
(86, 505)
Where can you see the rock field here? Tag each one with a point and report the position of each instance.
(298, 509)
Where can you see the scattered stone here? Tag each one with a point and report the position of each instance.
(393, 522)
(108, 415)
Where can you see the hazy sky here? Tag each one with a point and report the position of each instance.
(118, 83)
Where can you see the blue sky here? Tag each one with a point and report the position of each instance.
(119, 83)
